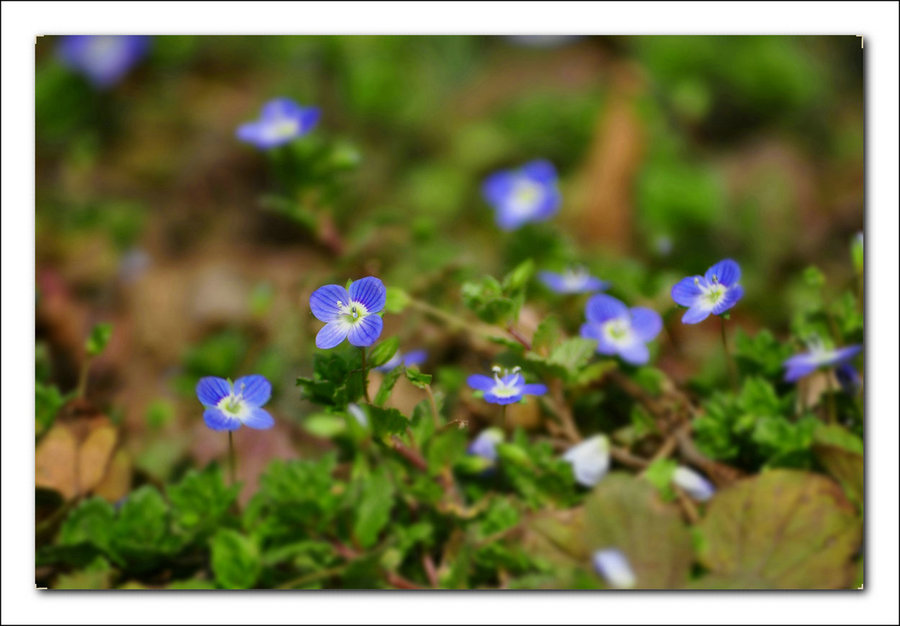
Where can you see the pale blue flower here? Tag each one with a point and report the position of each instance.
(414, 357)
(589, 460)
(713, 293)
(613, 566)
(281, 121)
(505, 389)
(693, 483)
(572, 280)
(528, 194)
(620, 330)
(232, 405)
(349, 314)
(801, 365)
(485, 444)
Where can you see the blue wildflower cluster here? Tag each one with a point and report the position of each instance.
(103, 59)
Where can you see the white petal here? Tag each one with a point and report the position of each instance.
(589, 460)
(693, 483)
(613, 565)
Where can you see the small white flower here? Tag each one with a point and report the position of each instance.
(693, 483)
(358, 414)
(589, 460)
(613, 565)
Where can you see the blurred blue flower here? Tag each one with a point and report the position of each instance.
(505, 389)
(613, 566)
(818, 356)
(485, 444)
(849, 378)
(693, 483)
(351, 315)
(416, 357)
(715, 292)
(358, 414)
(281, 121)
(572, 280)
(103, 59)
(589, 460)
(620, 330)
(232, 405)
(528, 194)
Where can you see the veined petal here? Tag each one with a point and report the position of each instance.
(696, 314)
(590, 330)
(217, 420)
(255, 389)
(211, 389)
(686, 291)
(365, 331)
(534, 389)
(332, 334)
(259, 419)
(370, 292)
(324, 302)
(602, 307)
(726, 271)
(646, 323)
(250, 132)
(480, 382)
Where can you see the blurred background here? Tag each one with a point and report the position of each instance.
(673, 152)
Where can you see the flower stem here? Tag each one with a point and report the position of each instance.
(231, 455)
(365, 371)
(83, 378)
(732, 371)
(503, 412)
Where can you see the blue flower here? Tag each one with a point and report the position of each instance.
(230, 406)
(849, 378)
(528, 194)
(351, 315)
(818, 356)
(416, 357)
(281, 121)
(572, 280)
(589, 460)
(693, 483)
(505, 389)
(103, 59)
(485, 444)
(613, 566)
(620, 330)
(715, 292)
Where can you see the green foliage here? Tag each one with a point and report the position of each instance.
(47, 403)
(337, 377)
(498, 302)
(97, 340)
(235, 560)
(383, 352)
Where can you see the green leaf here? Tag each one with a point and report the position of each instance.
(97, 575)
(374, 510)
(47, 403)
(387, 385)
(90, 522)
(814, 277)
(417, 378)
(659, 473)
(841, 454)
(547, 334)
(573, 354)
(325, 425)
(782, 529)
(98, 339)
(200, 500)
(397, 300)
(235, 560)
(489, 301)
(386, 422)
(518, 279)
(383, 352)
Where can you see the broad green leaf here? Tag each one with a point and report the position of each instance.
(99, 337)
(841, 454)
(547, 334)
(386, 421)
(324, 425)
(374, 509)
(387, 385)
(90, 522)
(97, 575)
(382, 353)
(200, 500)
(235, 560)
(659, 473)
(396, 300)
(417, 378)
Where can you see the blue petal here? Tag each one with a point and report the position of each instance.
(727, 272)
(553, 281)
(799, 366)
(686, 291)
(485, 444)
(217, 420)
(696, 314)
(590, 330)
(324, 302)
(309, 118)
(849, 378)
(416, 357)
(842, 355)
(594, 284)
(509, 219)
(259, 419)
(211, 389)
(548, 206)
(480, 382)
(490, 397)
(730, 298)
(534, 389)
(332, 334)
(540, 170)
(646, 323)
(280, 108)
(635, 353)
(251, 132)
(497, 187)
(370, 292)
(602, 308)
(365, 331)
(255, 389)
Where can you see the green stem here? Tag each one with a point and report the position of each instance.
(503, 411)
(365, 376)
(732, 371)
(83, 378)
(434, 410)
(231, 455)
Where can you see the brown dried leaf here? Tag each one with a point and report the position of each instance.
(94, 455)
(54, 462)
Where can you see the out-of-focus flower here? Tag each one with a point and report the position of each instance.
(232, 405)
(693, 483)
(505, 389)
(818, 356)
(281, 121)
(589, 460)
(351, 315)
(528, 194)
(572, 280)
(358, 414)
(103, 59)
(415, 357)
(715, 292)
(485, 444)
(613, 566)
(620, 330)
(849, 378)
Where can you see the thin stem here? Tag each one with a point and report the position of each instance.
(83, 378)
(434, 410)
(732, 371)
(365, 376)
(503, 413)
(231, 455)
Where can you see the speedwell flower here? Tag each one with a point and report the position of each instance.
(620, 330)
(818, 356)
(589, 460)
(281, 121)
(572, 280)
(103, 59)
(416, 357)
(849, 378)
(693, 483)
(613, 566)
(349, 314)
(715, 292)
(528, 194)
(232, 405)
(505, 389)
(485, 444)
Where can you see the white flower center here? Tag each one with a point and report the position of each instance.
(507, 389)
(353, 311)
(526, 195)
(283, 128)
(574, 279)
(618, 332)
(712, 291)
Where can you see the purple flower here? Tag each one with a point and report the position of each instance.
(818, 356)
(528, 194)
(572, 280)
(505, 389)
(349, 314)
(281, 121)
(620, 330)
(485, 444)
(693, 483)
(613, 566)
(589, 460)
(103, 59)
(715, 292)
(416, 357)
(230, 406)
(849, 378)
